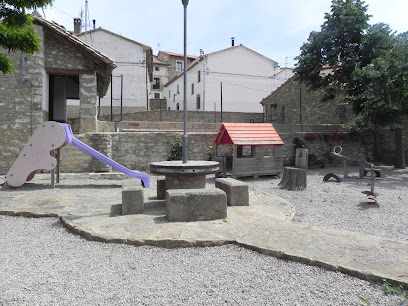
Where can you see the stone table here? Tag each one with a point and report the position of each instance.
(190, 175)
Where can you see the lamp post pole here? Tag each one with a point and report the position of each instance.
(185, 140)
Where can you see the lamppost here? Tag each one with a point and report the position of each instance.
(185, 140)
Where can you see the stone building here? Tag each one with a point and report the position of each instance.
(37, 91)
(293, 103)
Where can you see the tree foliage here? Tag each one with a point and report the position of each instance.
(16, 31)
(367, 64)
(338, 44)
(385, 86)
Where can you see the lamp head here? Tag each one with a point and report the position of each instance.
(185, 2)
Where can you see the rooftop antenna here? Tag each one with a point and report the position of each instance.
(86, 20)
(286, 60)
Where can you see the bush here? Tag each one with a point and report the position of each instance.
(315, 161)
(177, 149)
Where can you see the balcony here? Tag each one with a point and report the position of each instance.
(157, 86)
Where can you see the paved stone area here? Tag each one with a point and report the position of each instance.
(265, 225)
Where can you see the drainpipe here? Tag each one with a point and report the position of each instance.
(32, 107)
(300, 105)
(23, 79)
(205, 69)
(23, 66)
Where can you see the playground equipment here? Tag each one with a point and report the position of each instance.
(50, 136)
(257, 149)
(371, 195)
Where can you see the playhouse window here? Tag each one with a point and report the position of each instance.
(245, 151)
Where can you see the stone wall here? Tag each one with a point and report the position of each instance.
(156, 104)
(20, 103)
(192, 116)
(133, 150)
(61, 56)
(320, 146)
(297, 105)
(136, 150)
(87, 96)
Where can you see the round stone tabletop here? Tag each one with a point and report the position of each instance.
(176, 167)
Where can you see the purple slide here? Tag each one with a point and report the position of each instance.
(70, 138)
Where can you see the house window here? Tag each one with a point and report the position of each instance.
(192, 88)
(156, 83)
(178, 89)
(198, 76)
(178, 106)
(174, 98)
(157, 95)
(179, 66)
(169, 94)
(156, 68)
(198, 102)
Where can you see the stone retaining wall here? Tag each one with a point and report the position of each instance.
(136, 150)
(133, 150)
(134, 114)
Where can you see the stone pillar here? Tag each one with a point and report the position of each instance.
(302, 158)
(88, 105)
(102, 143)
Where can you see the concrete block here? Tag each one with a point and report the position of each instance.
(132, 200)
(184, 205)
(237, 191)
(161, 188)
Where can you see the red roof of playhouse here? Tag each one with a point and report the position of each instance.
(248, 134)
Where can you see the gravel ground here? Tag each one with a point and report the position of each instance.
(344, 206)
(43, 264)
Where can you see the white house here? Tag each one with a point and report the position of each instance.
(130, 82)
(237, 76)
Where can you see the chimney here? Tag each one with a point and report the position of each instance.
(94, 22)
(232, 41)
(77, 25)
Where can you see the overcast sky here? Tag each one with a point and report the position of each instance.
(276, 29)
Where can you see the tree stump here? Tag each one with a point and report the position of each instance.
(293, 179)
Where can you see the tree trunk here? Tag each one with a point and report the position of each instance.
(399, 149)
(293, 179)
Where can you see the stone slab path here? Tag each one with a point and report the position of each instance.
(266, 226)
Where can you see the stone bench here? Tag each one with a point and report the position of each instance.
(183, 205)
(132, 199)
(237, 191)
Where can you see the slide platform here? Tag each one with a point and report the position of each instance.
(50, 136)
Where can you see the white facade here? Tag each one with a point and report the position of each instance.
(246, 78)
(130, 80)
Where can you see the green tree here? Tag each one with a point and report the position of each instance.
(338, 44)
(16, 31)
(354, 49)
(384, 99)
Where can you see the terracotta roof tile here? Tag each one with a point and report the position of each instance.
(178, 54)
